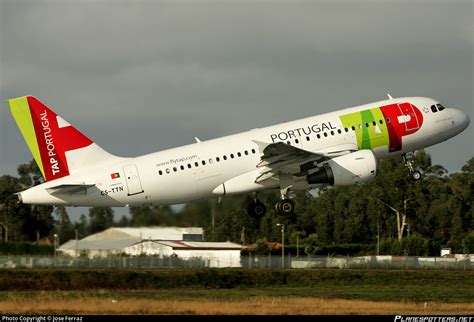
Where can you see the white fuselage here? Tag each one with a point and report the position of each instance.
(197, 170)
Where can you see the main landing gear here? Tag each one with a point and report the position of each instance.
(415, 175)
(256, 209)
(284, 207)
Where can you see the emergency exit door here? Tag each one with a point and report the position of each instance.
(132, 178)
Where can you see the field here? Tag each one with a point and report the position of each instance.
(236, 291)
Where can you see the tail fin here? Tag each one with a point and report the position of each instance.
(59, 149)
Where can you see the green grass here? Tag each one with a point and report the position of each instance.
(238, 284)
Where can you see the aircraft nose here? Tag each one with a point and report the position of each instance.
(460, 118)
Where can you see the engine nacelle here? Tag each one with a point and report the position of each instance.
(346, 170)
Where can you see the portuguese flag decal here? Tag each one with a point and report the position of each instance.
(115, 175)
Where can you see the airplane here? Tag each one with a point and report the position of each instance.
(340, 148)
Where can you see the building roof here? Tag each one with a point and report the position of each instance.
(110, 244)
(197, 245)
(98, 244)
(157, 232)
(120, 238)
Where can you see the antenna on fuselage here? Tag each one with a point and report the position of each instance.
(389, 96)
(197, 139)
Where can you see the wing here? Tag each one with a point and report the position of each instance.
(280, 158)
(69, 189)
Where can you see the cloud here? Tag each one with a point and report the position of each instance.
(139, 76)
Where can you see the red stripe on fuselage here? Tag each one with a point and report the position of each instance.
(397, 130)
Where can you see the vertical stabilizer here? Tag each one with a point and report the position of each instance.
(59, 148)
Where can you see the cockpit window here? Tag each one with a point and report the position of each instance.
(440, 107)
(433, 109)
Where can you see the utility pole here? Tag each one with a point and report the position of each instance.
(297, 245)
(141, 244)
(77, 242)
(2, 226)
(378, 239)
(55, 238)
(282, 245)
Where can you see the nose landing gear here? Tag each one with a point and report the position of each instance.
(415, 175)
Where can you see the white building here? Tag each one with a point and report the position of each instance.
(183, 242)
(216, 254)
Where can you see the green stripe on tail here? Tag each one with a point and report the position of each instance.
(20, 110)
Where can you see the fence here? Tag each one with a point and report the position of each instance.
(253, 262)
(362, 262)
(100, 262)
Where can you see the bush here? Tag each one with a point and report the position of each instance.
(25, 248)
(468, 243)
(208, 278)
(409, 246)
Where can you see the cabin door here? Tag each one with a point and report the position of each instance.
(132, 178)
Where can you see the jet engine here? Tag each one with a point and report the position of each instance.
(346, 170)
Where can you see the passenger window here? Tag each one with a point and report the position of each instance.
(325, 134)
(174, 169)
(307, 138)
(231, 155)
(196, 164)
(332, 132)
(339, 131)
(189, 165)
(210, 161)
(182, 167)
(288, 142)
(353, 128)
(374, 123)
(253, 150)
(168, 170)
(381, 121)
(318, 136)
(246, 152)
(160, 172)
(366, 124)
(217, 159)
(346, 129)
(225, 157)
(388, 120)
(203, 162)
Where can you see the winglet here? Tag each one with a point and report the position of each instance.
(389, 96)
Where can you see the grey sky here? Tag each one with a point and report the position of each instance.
(141, 76)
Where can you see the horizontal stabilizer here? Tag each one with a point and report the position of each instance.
(69, 189)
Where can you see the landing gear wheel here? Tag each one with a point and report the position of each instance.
(416, 175)
(285, 207)
(256, 209)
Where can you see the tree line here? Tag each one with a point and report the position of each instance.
(389, 215)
